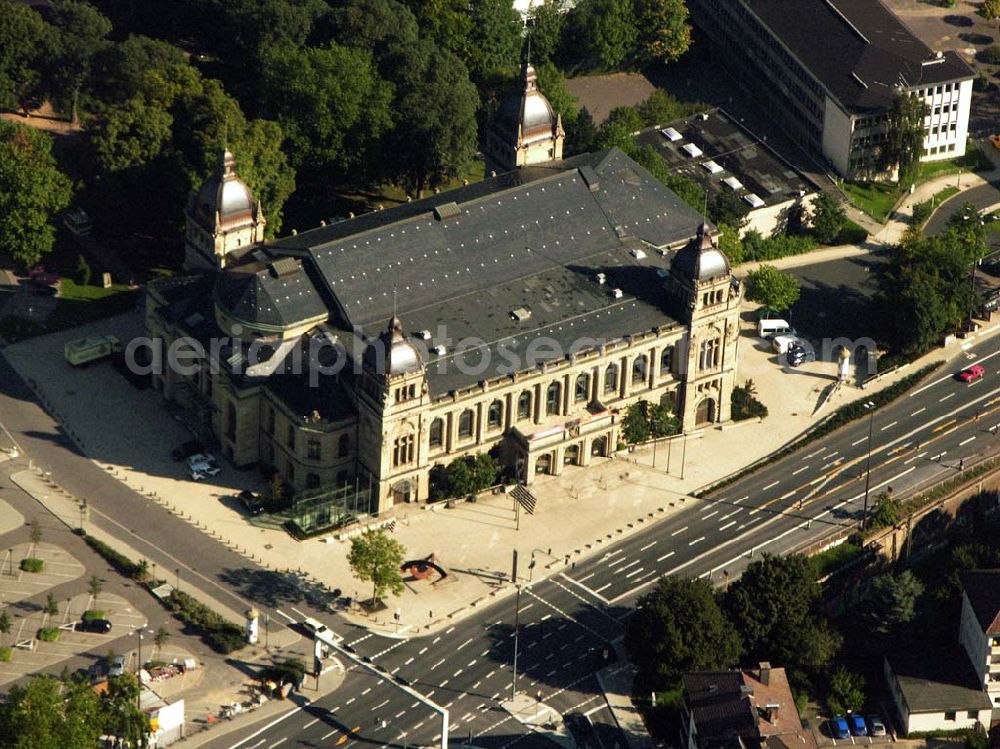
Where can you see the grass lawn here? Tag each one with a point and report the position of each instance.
(76, 304)
(878, 198)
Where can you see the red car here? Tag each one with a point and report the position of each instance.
(972, 373)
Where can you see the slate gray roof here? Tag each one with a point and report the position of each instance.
(837, 40)
(938, 680)
(512, 234)
(277, 293)
(983, 589)
(718, 707)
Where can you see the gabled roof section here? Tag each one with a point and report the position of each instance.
(983, 589)
(858, 49)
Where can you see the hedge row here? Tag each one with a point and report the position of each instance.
(218, 633)
(48, 634)
(843, 415)
(30, 564)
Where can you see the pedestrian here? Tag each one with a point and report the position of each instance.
(961, 464)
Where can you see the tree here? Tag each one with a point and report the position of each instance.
(891, 601)
(774, 604)
(662, 421)
(378, 26)
(728, 208)
(5, 622)
(828, 218)
(436, 134)
(885, 512)
(255, 28)
(25, 42)
(160, 638)
(552, 83)
(635, 423)
(446, 23)
(82, 31)
(495, 41)
(664, 29)
(769, 286)
(607, 31)
(904, 141)
(376, 557)
(659, 108)
(332, 104)
(730, 244)
(51, 606)
(990, 10)
(95, 586)
(35, 534)
(846, 693)
(121, 713)
(32, 191)
(678, 627)
(545, 27)
(581, 134)
(48, 714)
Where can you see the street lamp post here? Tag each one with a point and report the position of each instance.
(870, 407)
(517, 626)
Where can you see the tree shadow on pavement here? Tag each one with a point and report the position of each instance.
(272, 589)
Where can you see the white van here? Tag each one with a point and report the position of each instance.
(770, 328)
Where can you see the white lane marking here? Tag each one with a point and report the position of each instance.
(594, 593)
(817, 452)
(711, 514)
(665, 556)
(463, 644)
(679, 531)
(942, 400)
(858, 442)
(279, 611)
(437, 664)
(630, 564)
(800, 470)
(603, 587)
(918, 411)
(279, 741)
(269, 726)
(771, 485)
(966, 442)
(888, 426)
(723, 527)
(730, 514)
(331, 733)
(696, 541)
(366, 691)
(647, 546)
(311, 722)
(634, 572)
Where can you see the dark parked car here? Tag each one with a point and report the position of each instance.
(838, 727)
(100, 626)
(858, 727)
(251, 503)
(799, 355)
(185, 451)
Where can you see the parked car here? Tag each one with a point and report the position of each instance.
(875, 726)
(857, 724)
(99, 626)
(781, 343)
(202, 471)
(200, 458)
(580, 728)
(315, 626)
(838, 727)
(251, 502)
(973, 373)
(185, 451)
(117, 666)
(796, 356)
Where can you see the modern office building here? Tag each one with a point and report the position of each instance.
(828, 71)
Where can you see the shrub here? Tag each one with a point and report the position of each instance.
(745, 403)
(6, 653)
(116, 559)
(757, 247)
(92, 614)
(31, 564)
(851, 233)
(991, 54)
(48, 634)
(290, 670)
(464, 476)
(218, 633)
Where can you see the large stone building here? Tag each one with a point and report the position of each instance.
(827, 72)
(520, 314)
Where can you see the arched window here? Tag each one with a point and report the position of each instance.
(344, 445)
(708, 355)
(402, 450)
(494, 416)
(666, 361)
(639, 370)
(582, 391)
(437, 433)
(465, 422)
(611, 378)
(524, 405)
(553, 398)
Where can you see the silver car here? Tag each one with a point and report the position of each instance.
(117, 666)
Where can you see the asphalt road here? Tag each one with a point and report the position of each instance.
(982, 197)
(566, 620)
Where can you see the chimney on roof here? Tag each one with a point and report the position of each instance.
(765, 673)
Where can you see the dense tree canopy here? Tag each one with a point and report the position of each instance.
(82, 33)
(828, 218)
(375, 557)
(776, 602)
(32, 191)
(677, 627)
(769, 286)
(25, 44)
(664, 29)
